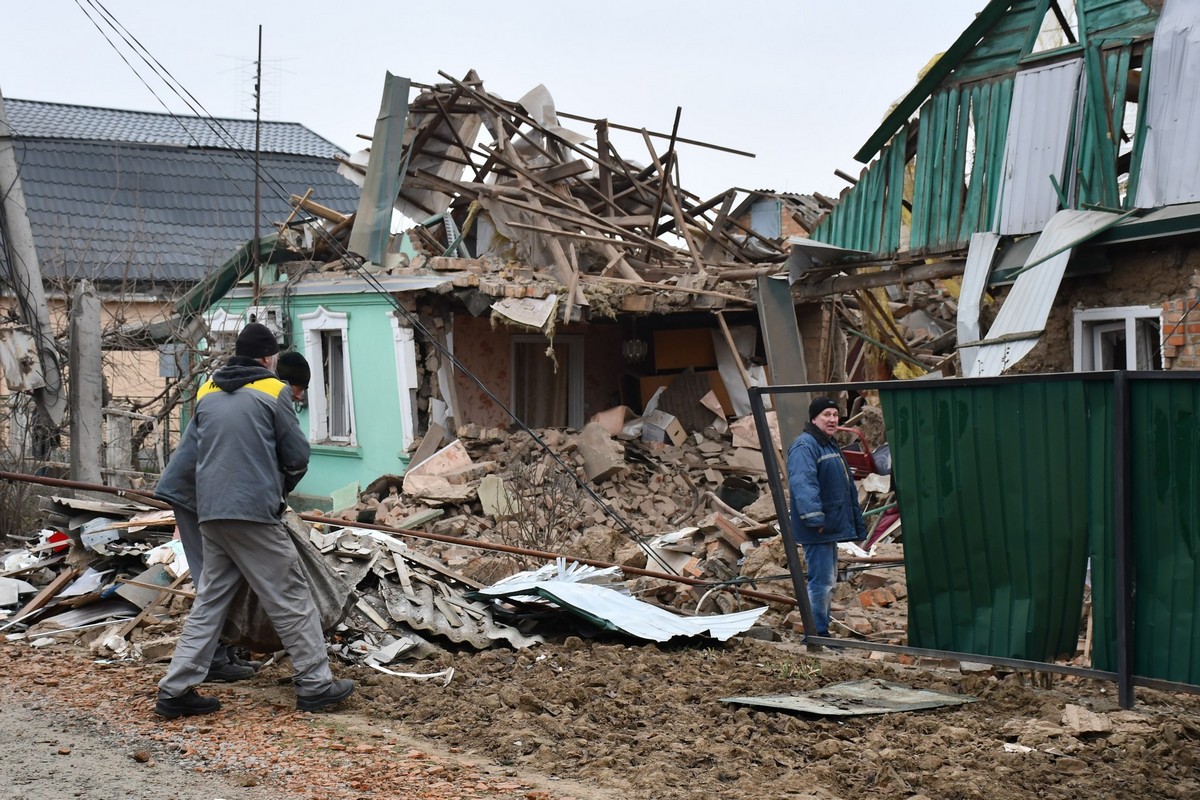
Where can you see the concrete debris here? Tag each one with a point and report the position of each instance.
(499, 503)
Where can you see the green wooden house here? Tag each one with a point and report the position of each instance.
(1050, 157)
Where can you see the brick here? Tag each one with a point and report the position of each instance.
(1176, 340)
(867, 599)
(883, 597)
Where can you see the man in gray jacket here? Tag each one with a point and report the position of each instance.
(177, 485)
(250, 452)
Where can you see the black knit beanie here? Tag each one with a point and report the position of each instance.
(819, 405)
(293, 368)
(256, 341)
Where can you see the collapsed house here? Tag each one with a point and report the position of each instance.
(538, 277)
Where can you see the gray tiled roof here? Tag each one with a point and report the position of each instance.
(30, 119)
(114, 211)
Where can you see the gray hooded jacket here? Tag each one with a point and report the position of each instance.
(250, 451)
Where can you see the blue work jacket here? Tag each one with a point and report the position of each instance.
(824, 498)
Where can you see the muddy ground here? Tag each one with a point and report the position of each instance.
(605, 719)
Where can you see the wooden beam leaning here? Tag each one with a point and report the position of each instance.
(163, 593)
(737, 357)
(948, 268)
(687, 236)
(666, 287)
(664, 170)
(317, 209)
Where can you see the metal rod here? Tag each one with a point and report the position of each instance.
(783, 514)
(141, 497)
(1123, 572)
(542, 554)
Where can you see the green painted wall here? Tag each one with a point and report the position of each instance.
(379, 448)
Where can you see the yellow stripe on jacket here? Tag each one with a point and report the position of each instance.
(272, 387)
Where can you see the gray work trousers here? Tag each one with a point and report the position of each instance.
(193, 547)
(265, 556)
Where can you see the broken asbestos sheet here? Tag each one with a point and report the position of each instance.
(615, 611)
(854, 698)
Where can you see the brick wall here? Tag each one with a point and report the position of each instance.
(1181, 329)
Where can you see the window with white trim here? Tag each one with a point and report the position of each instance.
(224, 327)
(1127, 337)
(331, 391)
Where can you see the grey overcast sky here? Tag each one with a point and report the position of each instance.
(800, 83)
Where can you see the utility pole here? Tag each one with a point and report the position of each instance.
(25, 278)
(257, 157)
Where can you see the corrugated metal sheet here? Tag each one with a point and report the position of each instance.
(1170, 165)
(868, 216)
(949, 200)
(993, 484)
(1028, 303)
(616, 611)
(975, 280)
(1039, 128)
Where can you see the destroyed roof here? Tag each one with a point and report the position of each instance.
(513, 196)
(121, 196)
(998, 39)
(959, 154)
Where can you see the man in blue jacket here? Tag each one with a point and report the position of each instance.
(250, 452)
(824, 505)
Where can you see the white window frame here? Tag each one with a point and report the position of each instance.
(407, 378)
(225, 326)
(313, 325)
(1091, 321)
(575, 387)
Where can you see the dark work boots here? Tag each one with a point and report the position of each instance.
(188, 704)
(336, 693)
(228, 673)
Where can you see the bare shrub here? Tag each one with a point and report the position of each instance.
(544, 507)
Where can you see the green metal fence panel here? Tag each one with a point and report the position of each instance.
(993, 484)
(1165, 477)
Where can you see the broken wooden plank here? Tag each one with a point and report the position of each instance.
(560, 172)
(163, 594)
(48, 592)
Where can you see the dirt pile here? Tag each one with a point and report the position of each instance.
(604, 719)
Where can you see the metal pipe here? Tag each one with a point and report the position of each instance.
(145, 498)
(1123, 572)
(148, 499)
(782, 513)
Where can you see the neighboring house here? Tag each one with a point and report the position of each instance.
(781, 215)
(145, 205)
(543, 269)
(1051, 156)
